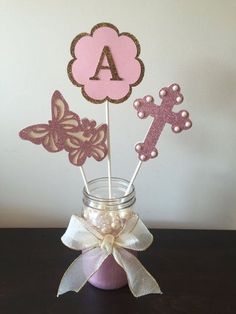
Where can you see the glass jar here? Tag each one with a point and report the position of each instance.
(108, 216)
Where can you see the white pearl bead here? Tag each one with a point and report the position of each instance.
(112, 214)
(149, 99)
(179, 99)
(138, 147)
(99, 219)
(153, 153)
(142, 157)
(125, 214)
(106, 229)
(141, 115)
(95, 222)
(188, 124)
(175, 88)
(177, 129)
(86, 214)
(136, 104)
(103, 230)
(116, 219)
(115, 225)
(162, 92)
(184, 114)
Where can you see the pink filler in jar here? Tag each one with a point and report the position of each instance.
(108, 216)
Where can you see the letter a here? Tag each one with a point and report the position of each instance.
(106, 52)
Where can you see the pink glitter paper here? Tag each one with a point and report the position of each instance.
(162, 114)
(81, 138)
(93, 145)
(105, 64)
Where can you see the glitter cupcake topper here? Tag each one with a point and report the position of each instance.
(80, 137)
(162, 114)
(105, 64)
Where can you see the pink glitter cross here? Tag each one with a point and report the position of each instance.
(162, 114)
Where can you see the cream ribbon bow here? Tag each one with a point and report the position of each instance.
(97, 247)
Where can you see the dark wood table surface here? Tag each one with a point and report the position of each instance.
(195, 269)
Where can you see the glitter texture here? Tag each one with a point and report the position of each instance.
(105, 64)
(80, 137)
(162, 114)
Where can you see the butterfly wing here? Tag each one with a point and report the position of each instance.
(98, 143)
(87, 142)
(77, 153)
(53, 135)
(35, 133)
(61, 115)
(42, 134)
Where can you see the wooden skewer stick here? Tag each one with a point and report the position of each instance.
(134, 176)
(84, 179)
(109, 149)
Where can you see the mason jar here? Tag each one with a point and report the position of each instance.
(108, 216)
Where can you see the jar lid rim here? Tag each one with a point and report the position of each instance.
(114, 199)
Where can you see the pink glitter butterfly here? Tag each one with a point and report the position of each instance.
(53, 135)
(89, 143)
(81, 138)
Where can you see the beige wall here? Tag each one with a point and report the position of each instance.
(192, 182)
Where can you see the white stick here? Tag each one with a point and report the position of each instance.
(109, 148)
(136, 169)
(133, 177)
(84, 179)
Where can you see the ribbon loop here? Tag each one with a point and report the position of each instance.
(140, 281)
(77, 274)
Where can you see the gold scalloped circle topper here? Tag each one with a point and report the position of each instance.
(105, 64)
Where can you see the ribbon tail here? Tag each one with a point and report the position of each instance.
(79, 272)
(140, 281)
